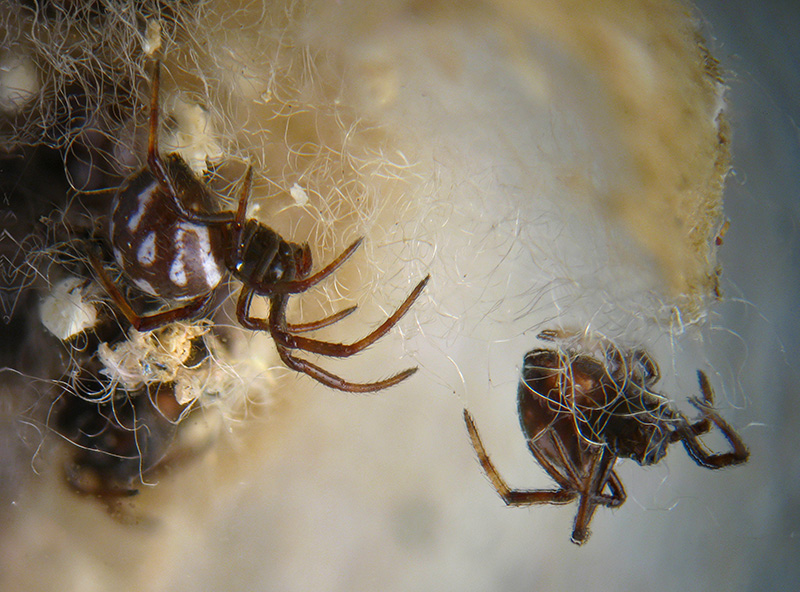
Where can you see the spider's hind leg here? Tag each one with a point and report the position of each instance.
(513, 497)
(192, 309)
(154, 161)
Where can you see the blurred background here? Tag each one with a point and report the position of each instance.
(760, 49)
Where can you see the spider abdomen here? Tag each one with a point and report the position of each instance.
(576, 397)
(160, 252)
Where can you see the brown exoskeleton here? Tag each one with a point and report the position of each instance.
(582, 408)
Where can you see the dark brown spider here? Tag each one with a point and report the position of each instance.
(583, 407)
(122, 437)
(118, 442)
(169, 246)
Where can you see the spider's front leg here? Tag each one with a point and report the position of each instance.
(279, 329)
(284, 336)
(336, 382)
(690, 435)
(342, 350)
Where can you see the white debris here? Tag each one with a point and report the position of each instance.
(67, 310)
(299, 195)
(18, 83)
(152, 357)
(151, 42)
(194, 137)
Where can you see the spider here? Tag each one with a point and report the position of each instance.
(583, 407)
(169, 246)
(118, 442)
(125, 424)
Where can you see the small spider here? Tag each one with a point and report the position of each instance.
(582, 408)
(169, 246)
(118, 440)
(125, 420)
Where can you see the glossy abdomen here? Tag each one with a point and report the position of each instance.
(159, 252)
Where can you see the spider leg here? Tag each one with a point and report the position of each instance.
(241, 211)
(599, 474)
(513, 497)
(159, 168)
(568, 479)
(617, 496)
(336, 382)
(278, 319)
(689, 435)
(152, 321)
(326, 322)
(278, 328)
(154, 162)
(704, 424)
(303, 285)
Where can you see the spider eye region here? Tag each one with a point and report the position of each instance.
(161, 253)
